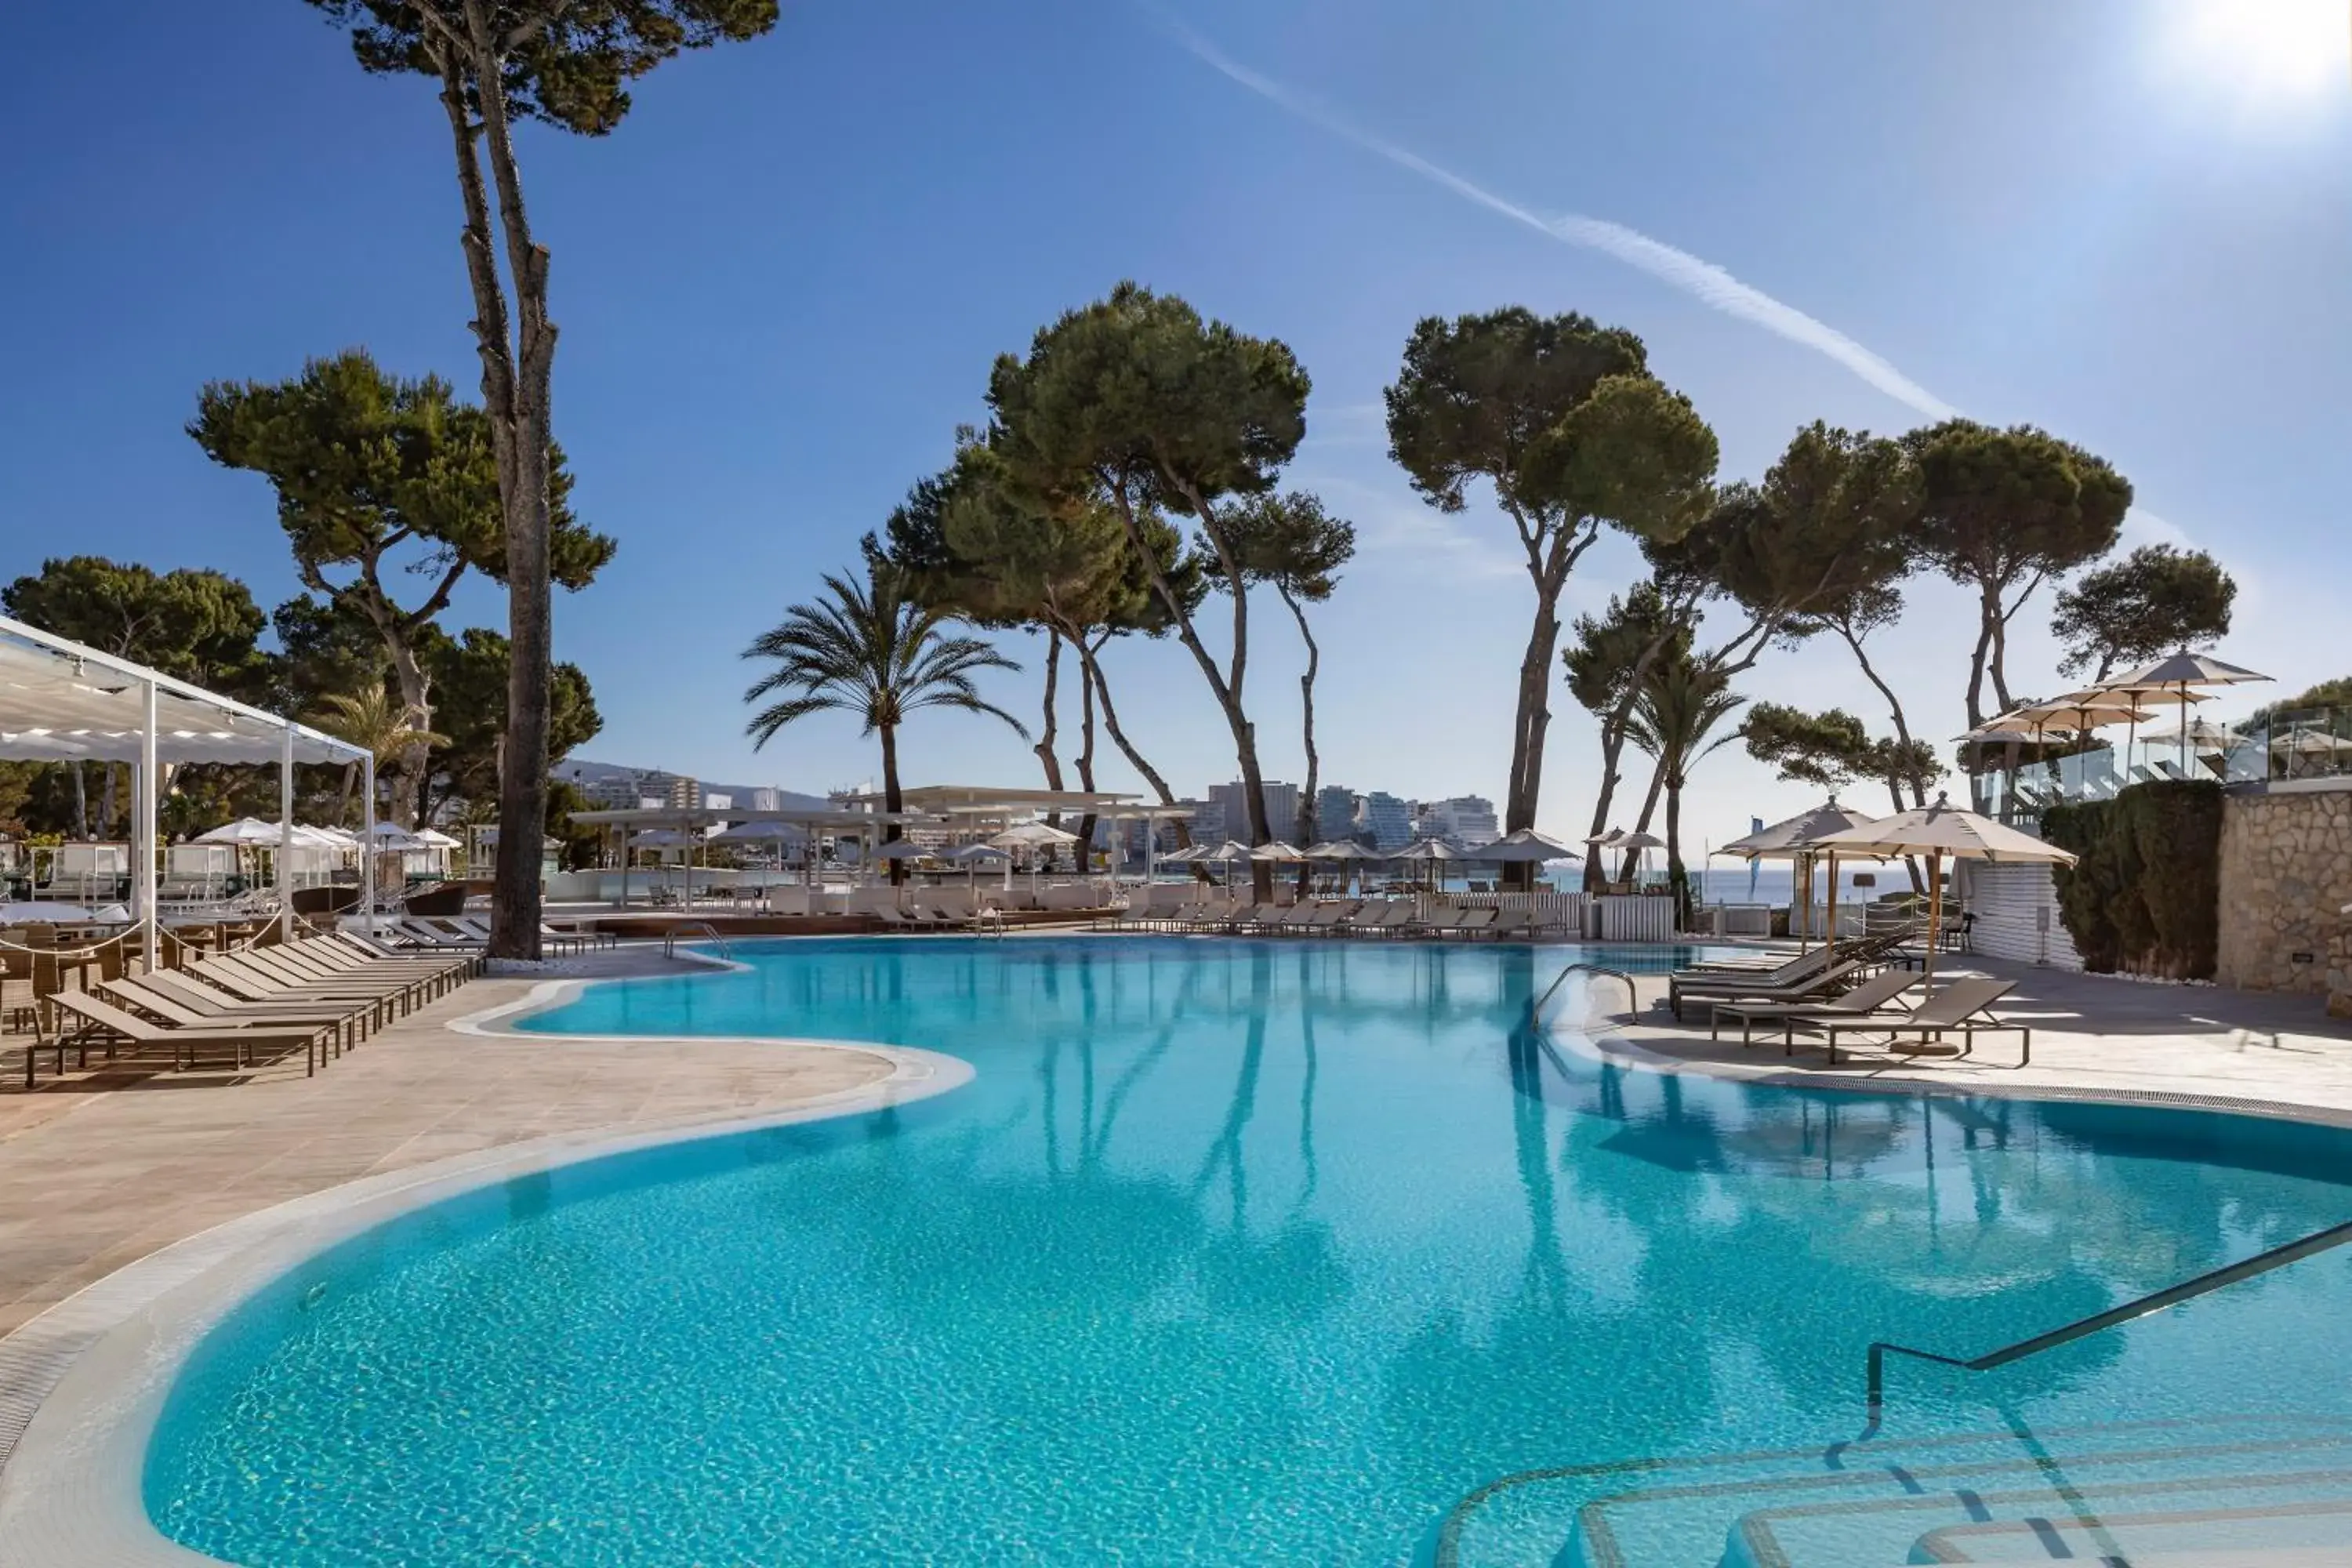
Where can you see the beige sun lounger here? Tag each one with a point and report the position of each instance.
(1961, 1007)
(102, 1020)
(167, 1006)
(1868, 1000)
(1818, 986)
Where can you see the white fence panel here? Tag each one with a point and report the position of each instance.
(1636, 918)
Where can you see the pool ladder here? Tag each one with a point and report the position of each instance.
(1633, 1000)
(669, 937)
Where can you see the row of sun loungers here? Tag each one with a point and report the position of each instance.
(1338, 917)
(1818, 975)
(320, 995)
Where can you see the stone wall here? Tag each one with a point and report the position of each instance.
(2286, 875)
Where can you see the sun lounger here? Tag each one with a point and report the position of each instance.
(1867, 1000)
(1817, 986)
(1513, 924)
(1380, 919)
(167, 1006)
(97, 1018)
(1474, 923)
(1961, 1007)
(1706, 977)
(320, 971)
(214, 1001)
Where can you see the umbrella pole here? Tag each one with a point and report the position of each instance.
(1831, 935)
(1935, 920)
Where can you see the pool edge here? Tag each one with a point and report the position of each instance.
(82, 1384)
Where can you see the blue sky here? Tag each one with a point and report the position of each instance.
(782, 281)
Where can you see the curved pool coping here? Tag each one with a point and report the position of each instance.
(82, 1384)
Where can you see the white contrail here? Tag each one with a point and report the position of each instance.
(1702, 279)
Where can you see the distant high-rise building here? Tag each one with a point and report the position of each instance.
(683, 793)
(1463, 821)
(1335, 812)
(1281, 809)
(1389, 820)
(1208, 820)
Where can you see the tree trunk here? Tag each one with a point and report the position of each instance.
(106, 801)
(1533, 720)
(517, 403)
(1642, 824)
(1086, 844)
(1049, 733)
(1228, 694)
(1612, 751)
(416, 759)
(1677, 879)
(1152, 775)
(82, 803)
(1999, 664)
(1311, 826)
(1902, 735)
(344, 799)
(893, 802)
(1988, 617)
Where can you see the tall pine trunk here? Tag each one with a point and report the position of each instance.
(1311, 826)
(517, 378)
(1152, 775)
(1225, 687)
(1048, 732)
(1085, 845)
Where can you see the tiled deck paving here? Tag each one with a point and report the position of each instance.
(2092, 1033)
(100, 1169)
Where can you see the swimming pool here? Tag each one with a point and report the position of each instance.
(1231, 1252)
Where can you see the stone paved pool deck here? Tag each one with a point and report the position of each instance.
(100, 1169)
(2094, 1035)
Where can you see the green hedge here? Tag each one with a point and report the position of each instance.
(2144, 898)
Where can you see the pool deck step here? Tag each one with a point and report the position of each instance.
(2274, 1481)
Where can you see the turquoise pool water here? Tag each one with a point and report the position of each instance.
(1259, 1253)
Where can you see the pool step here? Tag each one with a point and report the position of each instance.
(2196, 1485)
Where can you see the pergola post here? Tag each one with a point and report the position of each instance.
(367, 840)
(142, 879)
(285, 830)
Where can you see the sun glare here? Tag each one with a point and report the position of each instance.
(2267, 52)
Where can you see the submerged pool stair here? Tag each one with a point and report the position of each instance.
(2271, 1489)
(2268, 1489)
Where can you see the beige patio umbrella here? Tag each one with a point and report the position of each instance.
(1939, 831)
(1794, 839)
(2175, 678)
(1345, 852)
(1430, 852)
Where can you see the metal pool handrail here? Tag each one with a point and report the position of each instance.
(2171, 1296)
(1633, 998)
(669, 937)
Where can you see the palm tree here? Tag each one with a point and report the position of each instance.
(387, 727)
(873, 652)
(1680, 702)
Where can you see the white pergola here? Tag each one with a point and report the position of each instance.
(62, 702)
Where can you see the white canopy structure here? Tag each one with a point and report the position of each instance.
(63, 702)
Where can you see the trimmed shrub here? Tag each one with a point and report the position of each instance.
(2145, 897)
